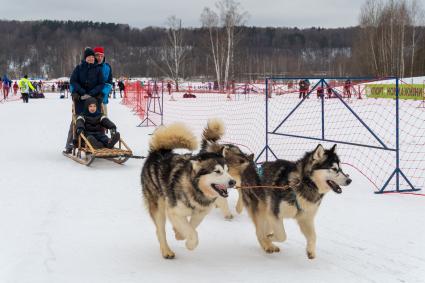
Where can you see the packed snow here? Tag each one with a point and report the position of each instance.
(64, 222)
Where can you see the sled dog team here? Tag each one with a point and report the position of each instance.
(185, 187)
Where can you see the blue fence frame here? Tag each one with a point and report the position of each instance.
(323, 82)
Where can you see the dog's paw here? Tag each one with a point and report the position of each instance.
(192, 242)
(311, 254)
(271, 249)
(168, 254)
(228, 216)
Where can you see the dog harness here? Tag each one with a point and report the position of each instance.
(260, 172)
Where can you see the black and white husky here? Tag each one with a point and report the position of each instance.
(305, 183)
(181, 187)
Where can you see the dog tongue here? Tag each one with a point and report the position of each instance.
(221, 187)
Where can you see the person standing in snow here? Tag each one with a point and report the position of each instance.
(301, 87)
(121, 87)
(347, 88)
(99, 54)
(15, 88)
(7, 84)
(25, 86)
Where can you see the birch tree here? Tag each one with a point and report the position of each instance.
(390, 30)
(174, 51)
(222, 35)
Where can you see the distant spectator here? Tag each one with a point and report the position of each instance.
(15, 88)
(301, 87)
(329, 90)
(347, 88)
(215, 87)
(320, 91)
(169, 88)
(25, 86)
(121, 87)
(7, 84)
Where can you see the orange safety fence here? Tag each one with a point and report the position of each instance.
(135, 97)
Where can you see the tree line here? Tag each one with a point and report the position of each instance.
(388, 41)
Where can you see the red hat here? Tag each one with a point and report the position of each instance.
(99, 49)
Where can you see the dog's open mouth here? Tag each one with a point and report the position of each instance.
(335, 187)
(220, 189)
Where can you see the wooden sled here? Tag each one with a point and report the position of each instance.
(84, 152)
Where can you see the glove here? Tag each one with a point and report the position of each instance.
(79, 131)
(113, 132)
(85, 96)
(75, 96)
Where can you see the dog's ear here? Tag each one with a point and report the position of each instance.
(333, 149)
(251, 157)
(319, 152)
(224, 151)
(195, 165)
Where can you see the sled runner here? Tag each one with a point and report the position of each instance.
(85, 153)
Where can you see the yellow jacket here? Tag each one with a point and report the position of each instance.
(25, 85)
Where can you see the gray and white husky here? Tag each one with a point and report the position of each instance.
(309, 179)
(236, 160)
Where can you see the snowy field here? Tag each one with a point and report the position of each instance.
(63, 222)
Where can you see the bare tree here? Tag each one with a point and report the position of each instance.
(174, 51)
(209, 20)
(390, 30)
(222, 36)
(369, 24)
(177, 51)
(417, 15)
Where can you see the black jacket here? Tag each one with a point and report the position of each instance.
(94, 124)
(87, 79)
(121, 85)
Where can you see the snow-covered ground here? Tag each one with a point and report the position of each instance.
(64, 222)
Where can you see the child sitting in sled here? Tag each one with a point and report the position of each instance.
(93, 123)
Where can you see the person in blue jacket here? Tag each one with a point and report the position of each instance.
(99, 54)
(86, 81)
(7, 84)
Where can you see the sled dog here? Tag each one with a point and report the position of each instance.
(181, 187)
(236, 160)
(304, 183)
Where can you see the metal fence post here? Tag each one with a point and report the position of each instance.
(267, 120)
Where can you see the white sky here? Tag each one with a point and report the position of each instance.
(301, 13)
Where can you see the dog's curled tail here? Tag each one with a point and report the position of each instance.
(214, 130)
(174, 136)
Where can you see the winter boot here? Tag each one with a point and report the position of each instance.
(114, 139)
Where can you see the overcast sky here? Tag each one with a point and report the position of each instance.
(141, 13)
